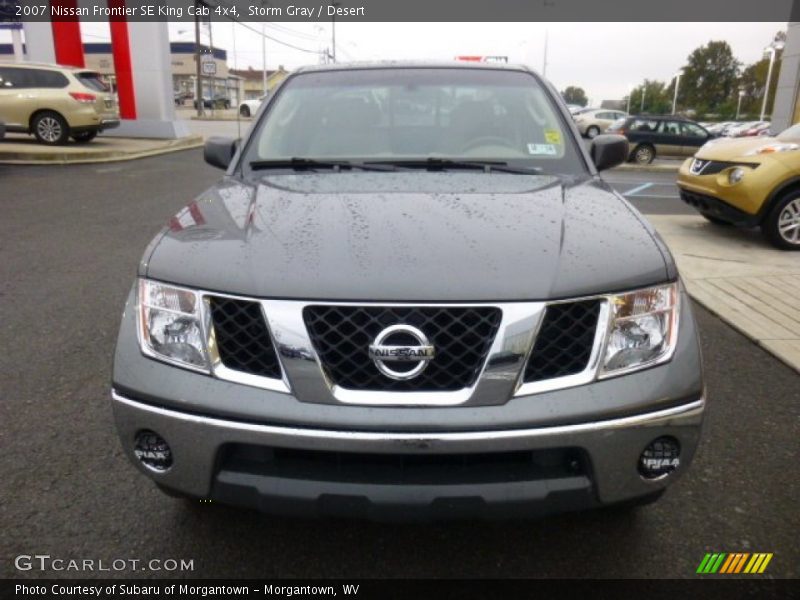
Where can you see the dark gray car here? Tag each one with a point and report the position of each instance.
(411, 296)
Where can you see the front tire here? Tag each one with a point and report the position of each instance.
(50, 128)
(592, 132)
(644, 154)
(84, 137)
(782, 225)
(244, 110)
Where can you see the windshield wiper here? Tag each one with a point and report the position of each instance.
(440, 164)
(311, 164)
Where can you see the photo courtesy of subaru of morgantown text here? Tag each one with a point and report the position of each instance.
(390, 300)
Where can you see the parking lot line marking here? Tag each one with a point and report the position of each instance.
(637, 189)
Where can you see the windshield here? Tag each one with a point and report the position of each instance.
(396, 116)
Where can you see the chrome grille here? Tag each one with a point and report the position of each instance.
(462, 336)
(565, 340)
(242, 337)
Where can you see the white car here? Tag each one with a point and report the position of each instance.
(250, 107)
(594, 122)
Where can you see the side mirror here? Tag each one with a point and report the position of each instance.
(219, 151)
(609, 150)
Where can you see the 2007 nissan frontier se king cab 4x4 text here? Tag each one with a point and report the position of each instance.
(411, 296)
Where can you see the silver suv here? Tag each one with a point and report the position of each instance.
(411, 296)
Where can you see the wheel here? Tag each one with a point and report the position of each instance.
(84, 137)
(714, 220)
(50, 128)
(644, 154)
(592, 132)
(244, 110)
(782, 225)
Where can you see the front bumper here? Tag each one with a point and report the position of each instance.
(602, 456)
(718, 208)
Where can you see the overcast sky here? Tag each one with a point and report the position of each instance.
(603, 58)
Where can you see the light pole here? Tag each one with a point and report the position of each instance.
(544, 59)
(644, 91)
(739, 104)
(630, 91)
(333, 30)
(677, 83)
(773, 50)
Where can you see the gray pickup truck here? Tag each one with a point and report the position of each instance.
(411, 296)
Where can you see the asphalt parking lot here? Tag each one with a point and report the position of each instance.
(71, 238)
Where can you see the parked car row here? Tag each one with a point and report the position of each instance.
(55, 103)
(738, 128)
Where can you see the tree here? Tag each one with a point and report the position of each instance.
(575, 95)
(710, 79)
(754, 79)
(655, 100)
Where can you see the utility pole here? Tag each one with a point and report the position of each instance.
(211, 50)
(264, 58)
(198, 94)
(644, 91)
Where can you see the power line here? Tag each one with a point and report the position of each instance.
(277, 41)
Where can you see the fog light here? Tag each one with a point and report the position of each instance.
(153, 451)
(660, 458)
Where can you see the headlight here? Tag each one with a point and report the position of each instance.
(735, 175)
(170, 325)
(643, 329)
(770, 148)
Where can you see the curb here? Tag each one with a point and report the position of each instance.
(648, 168)
(68, 158)
(242, 119)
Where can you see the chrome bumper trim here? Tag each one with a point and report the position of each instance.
(424, 440)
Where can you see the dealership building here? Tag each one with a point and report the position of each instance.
(98, 57)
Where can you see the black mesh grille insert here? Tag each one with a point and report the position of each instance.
(462, 337)
(564, 344)
(243, 338)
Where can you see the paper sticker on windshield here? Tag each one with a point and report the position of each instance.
(542, 149)
(552, 136)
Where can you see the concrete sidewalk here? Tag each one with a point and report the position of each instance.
(24, 150)
(737, 275)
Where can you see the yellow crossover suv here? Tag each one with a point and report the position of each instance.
(748, 182)
(55, 103)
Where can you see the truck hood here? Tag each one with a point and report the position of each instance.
(409, 236)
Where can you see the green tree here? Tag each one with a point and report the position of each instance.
(649, 98)
(575, 95)
(754, 79)
(710, 79)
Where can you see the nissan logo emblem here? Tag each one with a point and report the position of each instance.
(381, 351)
